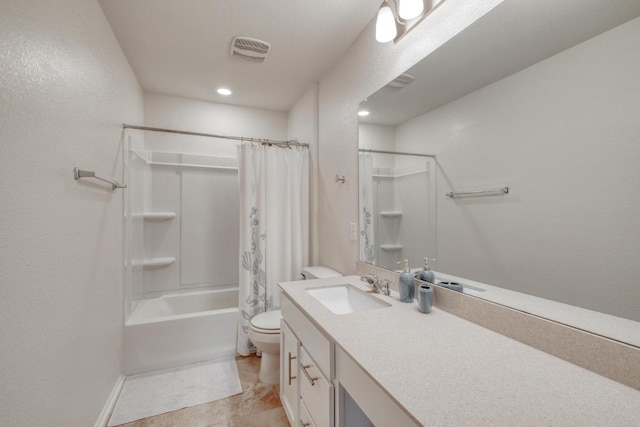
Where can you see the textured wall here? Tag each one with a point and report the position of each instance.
(302, 124)
(366, 67)
(65, 89)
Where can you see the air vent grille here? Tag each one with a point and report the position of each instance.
(401, 81)
(249, 49)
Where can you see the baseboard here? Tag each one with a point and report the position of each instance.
(103, 419)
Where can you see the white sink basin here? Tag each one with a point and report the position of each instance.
(343, 299)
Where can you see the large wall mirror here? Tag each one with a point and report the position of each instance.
(543, 98)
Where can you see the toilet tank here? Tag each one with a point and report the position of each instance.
(318, 272)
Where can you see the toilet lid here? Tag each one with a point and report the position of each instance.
(268, 321)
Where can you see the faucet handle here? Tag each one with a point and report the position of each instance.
(386, 287)
(371, 279)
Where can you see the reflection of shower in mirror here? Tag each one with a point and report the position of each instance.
(396, 206)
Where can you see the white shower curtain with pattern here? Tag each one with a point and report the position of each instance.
(274, 227)
(366, 217)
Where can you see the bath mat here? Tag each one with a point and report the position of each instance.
(155, 393)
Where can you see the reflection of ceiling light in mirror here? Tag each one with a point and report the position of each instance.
(224, 91)
(363, 113)
(385, 24)
(409, 9)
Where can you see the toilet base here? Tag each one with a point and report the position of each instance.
(270, 368)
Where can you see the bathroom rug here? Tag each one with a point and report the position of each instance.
(155, 393)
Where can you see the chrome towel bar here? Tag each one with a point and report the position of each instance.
(503, 190)
(79, 173)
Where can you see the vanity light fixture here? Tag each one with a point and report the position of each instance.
(224, 91)
(410, 9)
(397, 17)
(385, 24)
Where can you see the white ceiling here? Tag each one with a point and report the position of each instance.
(181, 47)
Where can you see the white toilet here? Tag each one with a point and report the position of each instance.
(264, 332)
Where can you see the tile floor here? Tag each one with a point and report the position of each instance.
(257, 405)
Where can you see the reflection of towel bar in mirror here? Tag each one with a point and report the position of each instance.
(495, 191)
(78, 173)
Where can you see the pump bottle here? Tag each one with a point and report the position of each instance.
(406, 285)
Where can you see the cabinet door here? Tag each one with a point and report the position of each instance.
(316, 392)
(288, 369)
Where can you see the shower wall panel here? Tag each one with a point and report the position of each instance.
(210, 227)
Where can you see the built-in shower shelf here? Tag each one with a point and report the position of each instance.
(391, 247)
(390, 214)
(158, 262)
(158, 216)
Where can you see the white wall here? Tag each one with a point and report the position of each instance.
(66, 88)
(563, 134)
(200, 116)
(302, 124)
(365, 68)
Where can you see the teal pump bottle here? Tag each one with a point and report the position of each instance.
(406, 285)
(426, 274)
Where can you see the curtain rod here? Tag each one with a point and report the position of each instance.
(367, 150)
(286, 144)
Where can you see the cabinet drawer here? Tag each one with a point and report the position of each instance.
(305, 418)
(315, 390)
(316, 344)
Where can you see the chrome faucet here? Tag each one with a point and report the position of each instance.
(386, 287)
(372, 281)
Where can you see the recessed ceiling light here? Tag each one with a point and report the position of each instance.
(363, 113)
(224, 91)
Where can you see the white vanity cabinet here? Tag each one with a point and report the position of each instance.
(288, 372)
(313, 367)
(307, 355)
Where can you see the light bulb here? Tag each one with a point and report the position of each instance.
(385, 24)
(409, 9)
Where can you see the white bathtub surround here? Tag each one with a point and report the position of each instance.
(155, 393)
(274, 227)
(179, 329)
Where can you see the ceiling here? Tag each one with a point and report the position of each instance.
(182, 47)
(511, 37)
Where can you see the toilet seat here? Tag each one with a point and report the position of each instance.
(267, 323)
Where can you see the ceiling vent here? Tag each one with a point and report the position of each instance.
(401, 81)
(249, 49)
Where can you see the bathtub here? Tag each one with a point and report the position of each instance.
(178, 329)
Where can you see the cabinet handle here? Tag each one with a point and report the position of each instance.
(304, 369)
(303, 424)
(291, 377)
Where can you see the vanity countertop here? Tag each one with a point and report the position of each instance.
(444, 370)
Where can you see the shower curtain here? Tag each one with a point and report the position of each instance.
(367, 243)
(274, 227)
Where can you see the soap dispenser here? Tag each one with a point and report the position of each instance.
(406, 285)
(426, 274)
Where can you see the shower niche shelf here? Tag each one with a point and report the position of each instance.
(158, 262)
(391, 247)
(391, 214)
(158, 216)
